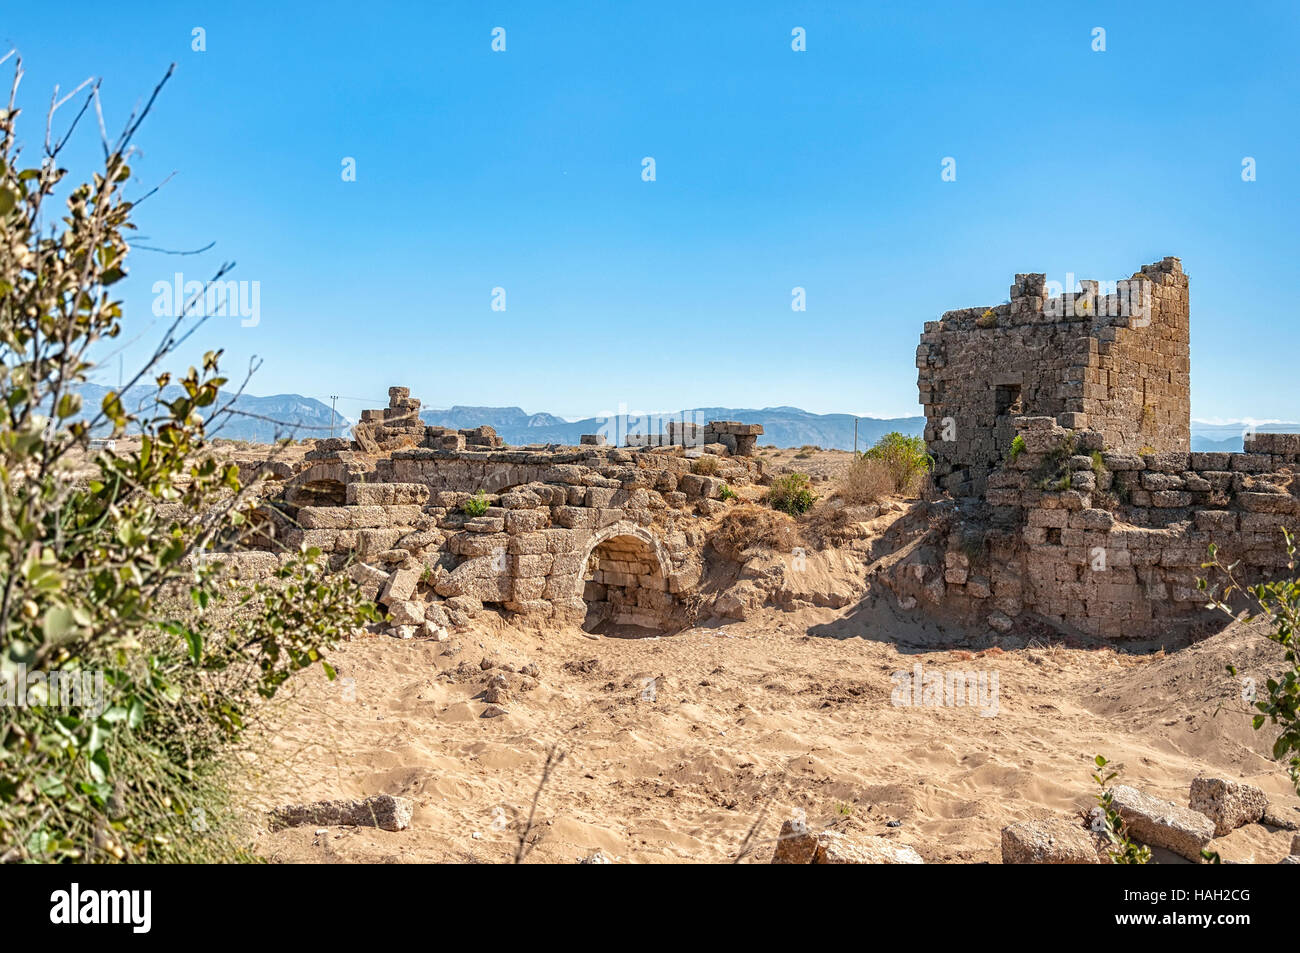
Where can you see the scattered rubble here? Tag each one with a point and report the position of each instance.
(796, 844)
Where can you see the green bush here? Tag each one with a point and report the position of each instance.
(791, 494)
(476, 505)
(905, 458)
(726, 493)
(1017, 448)
(1278, 602)
(105, 589)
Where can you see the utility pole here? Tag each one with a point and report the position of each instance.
(855, 436)
(333, 400)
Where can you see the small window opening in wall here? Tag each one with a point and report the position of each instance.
(1008, 400)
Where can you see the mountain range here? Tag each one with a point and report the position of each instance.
(1230, 436)
(256, 419)
(264, 419)
(782, 426)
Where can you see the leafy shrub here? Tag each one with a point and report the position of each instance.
(905, 458)
(726, 493)
(747, 526)
(1017, 448)
(706, 465)
(1277, 601)
(792, 494)
(476, 505)
(102, 583)
(865, 481)
(988, 319)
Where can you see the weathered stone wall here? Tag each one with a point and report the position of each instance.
(593, 533)
(1106, 543)
(1116, 363)
(717, 436)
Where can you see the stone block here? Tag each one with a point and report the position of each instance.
(384, 811)
(400, 586)
(836, 848)
(526, 521)
(1229, 804)
(795, 844)
(1161, 823)
(1052, 841)
(386, 494)
(531, 565)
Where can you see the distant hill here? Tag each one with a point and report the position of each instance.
(260, 419)
(264, 419)
(503, 419)
(1227, 437)
(782, 426)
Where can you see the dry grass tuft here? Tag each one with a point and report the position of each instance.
(865, 481)
(705, 466)
(749, 525)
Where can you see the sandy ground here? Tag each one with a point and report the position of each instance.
(676, 748)
(822, 466)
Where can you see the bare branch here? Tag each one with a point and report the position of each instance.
(173, 251)
(553, 759)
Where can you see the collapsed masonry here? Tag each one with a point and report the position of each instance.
(438, 524)
(1060, 430)
(398, 426)
(718, 436)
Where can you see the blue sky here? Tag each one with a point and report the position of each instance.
(774, 169)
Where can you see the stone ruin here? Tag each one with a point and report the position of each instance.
(1061, 434)
(718, 436)
(1065, 492)
(439, 524)
(398, 426)
(1118, 364)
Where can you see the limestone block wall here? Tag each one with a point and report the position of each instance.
(591, 533)
(1117, 363)
(1111, 543)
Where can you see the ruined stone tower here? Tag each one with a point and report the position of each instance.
(1113, 360)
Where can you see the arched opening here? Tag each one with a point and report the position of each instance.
(624, 586)
(322, 484)
(324, 492)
